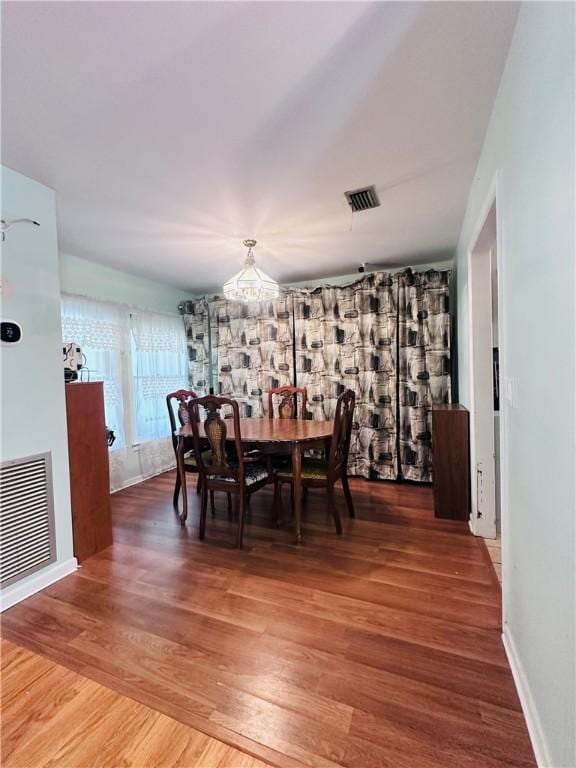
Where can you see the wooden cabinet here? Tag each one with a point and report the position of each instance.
(89, 470)
(451, 461)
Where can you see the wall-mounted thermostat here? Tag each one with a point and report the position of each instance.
(11, 332)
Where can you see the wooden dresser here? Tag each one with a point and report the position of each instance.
(451, 461)
(89, 470)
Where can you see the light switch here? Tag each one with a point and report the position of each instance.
(510, 390)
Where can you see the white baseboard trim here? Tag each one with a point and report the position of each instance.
(128, 483)
(20, 591)
(141, 478)
(528, 704)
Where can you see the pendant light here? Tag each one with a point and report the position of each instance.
(251, 284)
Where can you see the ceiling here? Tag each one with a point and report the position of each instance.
(173, 130)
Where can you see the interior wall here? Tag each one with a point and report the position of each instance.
(86, 278)
(33, 405)
(529, 148)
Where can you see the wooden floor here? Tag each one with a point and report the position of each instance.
(41, 702)
(378, 649)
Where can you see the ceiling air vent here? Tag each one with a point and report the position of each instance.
(362, 199)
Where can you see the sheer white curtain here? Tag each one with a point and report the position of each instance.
(160, 366)
(99, 328)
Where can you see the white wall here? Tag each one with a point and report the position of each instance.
(86, 278)
(32, 398)
(530, 146)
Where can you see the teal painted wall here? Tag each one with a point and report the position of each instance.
(530, 145)
(86, 278)
(33, 406)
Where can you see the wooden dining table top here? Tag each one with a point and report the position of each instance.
(265, 430)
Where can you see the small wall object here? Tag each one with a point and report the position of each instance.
(6, 224)
(11, 332)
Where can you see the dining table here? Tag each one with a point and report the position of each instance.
(289, 437)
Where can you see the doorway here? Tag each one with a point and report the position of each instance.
(485, 427)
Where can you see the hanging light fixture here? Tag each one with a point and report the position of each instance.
(251, 284)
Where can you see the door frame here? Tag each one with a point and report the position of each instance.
(492, 198)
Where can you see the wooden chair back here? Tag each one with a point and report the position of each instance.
(182, 397)
(215, 430)
(288, 404)
(341, 434)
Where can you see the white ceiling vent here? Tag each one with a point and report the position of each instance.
(26, 517)
(362, 199)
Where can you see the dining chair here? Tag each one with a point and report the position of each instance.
(286, 399)
(242, 475)
(288, 403)
(324, 473)
(183, 397)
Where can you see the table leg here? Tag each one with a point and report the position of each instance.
(182, 473)
(297, 473)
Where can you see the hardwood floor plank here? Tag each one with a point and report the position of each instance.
(478, 679)
(448, 604)
(71, 721)
(442, 746)
(403, 624)
(379, 648)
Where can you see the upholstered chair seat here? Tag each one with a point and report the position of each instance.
(222, 469)
(324, 473)
(312, 469)
(253, 473)
(190, 459)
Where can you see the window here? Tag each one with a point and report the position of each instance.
(140, 357)
(99, 329)
(159, 366)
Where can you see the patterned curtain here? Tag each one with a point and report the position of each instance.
(346, 339)
(380, 336)
(197, 337)
(253, 350)
(424, 364)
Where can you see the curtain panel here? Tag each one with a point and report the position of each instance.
(346, 339)
(100, 328)
(159, 366)
(139, 356)
(386, 336)
(424, 371)
(253, 350)
(196, 324)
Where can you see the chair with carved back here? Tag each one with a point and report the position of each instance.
(287, 403)
(242, 475)
(324, 473)
(178, 420)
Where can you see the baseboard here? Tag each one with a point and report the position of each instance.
(128, 483)
(529, 709)
(141, 478)
(20, 591)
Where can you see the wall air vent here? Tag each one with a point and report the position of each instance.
(26, 517)
(362, 199)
